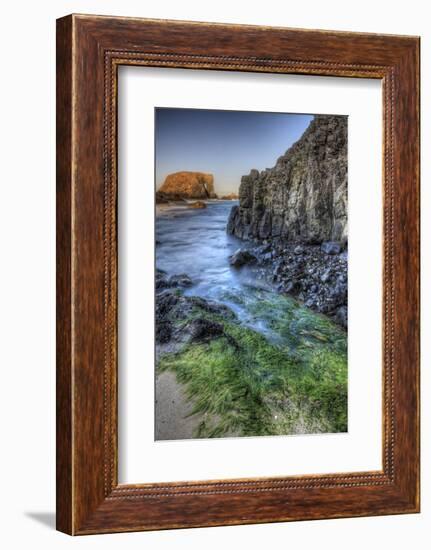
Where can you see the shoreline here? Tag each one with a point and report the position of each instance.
(216, 376)
(314, 277)
(306, 272)
(254, 358)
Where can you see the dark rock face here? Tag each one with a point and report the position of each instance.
(303, 198)
(298, 209)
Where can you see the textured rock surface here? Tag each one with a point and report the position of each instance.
(188, 185)
(303, 198)
(241, 257)
(316, 278)
(173, 308)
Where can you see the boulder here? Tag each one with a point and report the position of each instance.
(163, 281)
(181, 280)
(181, 319)
(241, 257)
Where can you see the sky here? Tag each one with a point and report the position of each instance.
(227, 144)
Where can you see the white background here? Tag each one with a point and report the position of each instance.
(27, 232)
(141, 458)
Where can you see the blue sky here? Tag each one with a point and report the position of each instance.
(227, 144)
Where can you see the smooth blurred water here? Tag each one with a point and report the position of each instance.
(195, 242)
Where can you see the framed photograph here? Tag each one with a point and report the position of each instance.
(237, 274)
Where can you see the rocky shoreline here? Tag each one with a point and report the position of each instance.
(260, 348)
(232, 378)
(296, 215)
(315, 275)
(182, 319)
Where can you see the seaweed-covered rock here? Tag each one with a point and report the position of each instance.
(202, 329)
(210, 306)
(181, 319)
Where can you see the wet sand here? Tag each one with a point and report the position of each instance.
(173, 409)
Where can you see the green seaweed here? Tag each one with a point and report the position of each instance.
(290, 380)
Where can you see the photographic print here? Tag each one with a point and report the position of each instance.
(251, 241)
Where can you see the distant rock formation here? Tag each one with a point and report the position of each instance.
(230, 197)
(303, 198)
(187, 185)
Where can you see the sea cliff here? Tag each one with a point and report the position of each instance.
(296, 215)
(303, 198)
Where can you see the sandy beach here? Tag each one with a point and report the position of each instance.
(173, 409)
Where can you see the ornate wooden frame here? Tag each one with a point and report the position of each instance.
(89, 51)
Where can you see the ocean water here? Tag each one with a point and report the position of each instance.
(300, 373)
(195, 242)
